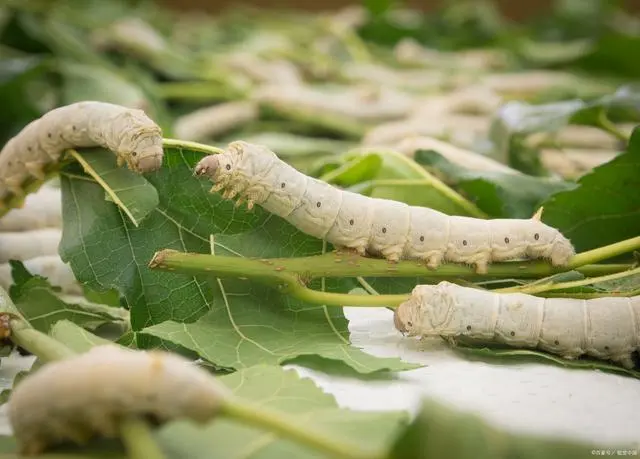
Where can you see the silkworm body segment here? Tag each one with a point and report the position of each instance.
(86, 396)
(380, 227)
(604, 328)
(130, 133)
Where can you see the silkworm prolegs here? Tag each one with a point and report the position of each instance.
(379, 227)
(605, 328)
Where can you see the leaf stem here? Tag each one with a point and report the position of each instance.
(293, 429)
(138, 440)
(334, 264)
(266, 272)
(187, 145)
(606, 125)
(603, 253)
(532, 289)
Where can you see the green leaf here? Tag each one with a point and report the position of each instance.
(402, 179)
(439, 431)
(19, 99)
(605, 207)
(231, 322)
(511, 356)
(377, 7)
(499, 194)
(91, 82)
(130, 191)
(97, 449)
(517, 119)
(241, 345)
(74, 337)
(355, 171)
(38, 303)
(300, 399)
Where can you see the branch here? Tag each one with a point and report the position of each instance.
(349, 265)
(288, 427)
(267, 272)
(289, 275)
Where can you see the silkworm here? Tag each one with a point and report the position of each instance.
(42, 209)
(383, 227)
(604, 328)
(360, 103)
(23, 245)
(461, 130)
(215, 120)
(134, 137)
(76, 399)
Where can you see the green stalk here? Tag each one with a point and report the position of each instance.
(265, 272)
(288, 275)
(138, 440)
(606, 125)
(532, 289)
(291, 270)
(603, 253)
(187, 145)
(293, 429)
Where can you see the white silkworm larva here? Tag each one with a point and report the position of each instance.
(23, 245)
(605, 328)
(75, 399)
(42, 209)
(132, 135)
(215, 120)
(376, 226)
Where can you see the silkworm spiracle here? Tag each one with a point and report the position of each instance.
(604, 328)
(131, 134)
(383, 227)
(86, 396)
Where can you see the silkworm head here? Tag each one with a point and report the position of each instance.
(207, 166)
(547, 242)
(146, 155)
(562, 251)
(406, 316)
(141, 146)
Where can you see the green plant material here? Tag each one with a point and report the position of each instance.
(517, 356)
(75, 337)
(197, 91)
(455, 25)
(331, 124)
(89, 82)
(605, 207)
(402, 179)
(516, 120)
(355, 171)
(498, 194)
(131, 192)
(37, 301)
(20, 103)
(105, 449)
(439, 431)
(248, 323)
(283, 391)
